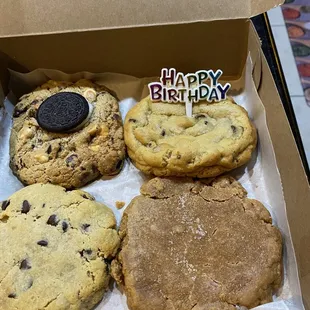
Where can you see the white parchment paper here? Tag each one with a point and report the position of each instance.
(260, 178)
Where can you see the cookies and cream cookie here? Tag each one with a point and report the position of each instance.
(67, 134)
(162, 141)
(55, 249)
(194, 245)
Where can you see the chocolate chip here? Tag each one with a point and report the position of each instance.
(4, 219)
(30, 283)
(26, 207)
(206, 122)
(42, 243)
(88, 197)
(12, 295)
(52, 220)
(43, 206)
(59, 150)
(21, 163)
(199, 116)
(24, 265)
(119, 164)
(83, 252)
(94, 168)
(85, 227)
(71, 161)
(234, 129)
(163, 133)
(32, 112)
(5, 204)
(49, 149)
(18, 112)
(72, 146)
(116, 117)
(107, 261)
(132, 120)
(64, 226)
(85, 175)
(90, 274)
(107, 265)
(33, 146)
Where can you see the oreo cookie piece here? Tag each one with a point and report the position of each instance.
(63, 112)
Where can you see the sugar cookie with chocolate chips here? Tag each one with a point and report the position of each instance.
(194, 245)
(70, 159)
(162, 141)
(55, 249)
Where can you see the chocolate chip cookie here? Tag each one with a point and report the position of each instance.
(55, 249)
(72, 158)
(162, 141)
(194, 245)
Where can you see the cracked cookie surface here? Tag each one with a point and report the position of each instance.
(67, 159)
(162, 141)
(194, 245)
(55, 249)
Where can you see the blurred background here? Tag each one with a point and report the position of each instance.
(290, 26)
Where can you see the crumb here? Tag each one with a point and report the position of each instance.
(119, 204)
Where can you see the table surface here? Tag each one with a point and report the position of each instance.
(263, 29)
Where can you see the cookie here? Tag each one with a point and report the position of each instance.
(194, 245)
(70, 159)
(63, 112)
(162, 141)
(55, 249)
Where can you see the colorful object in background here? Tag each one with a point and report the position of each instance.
(295, 31)
(304, 70)
(289, 13)
(300, 49)
(297, 18)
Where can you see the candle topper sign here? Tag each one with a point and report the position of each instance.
(189, 88)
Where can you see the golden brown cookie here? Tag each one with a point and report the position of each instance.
(55, 249)
(70, 159)
(193, 245)
(162, 141)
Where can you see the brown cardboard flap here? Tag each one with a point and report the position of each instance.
(255, 52)
(132, 51)
(7, 62)
(295, 184)
(26, 17)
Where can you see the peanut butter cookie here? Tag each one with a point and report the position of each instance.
(193, 245)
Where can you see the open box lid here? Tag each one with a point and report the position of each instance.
(29, 17)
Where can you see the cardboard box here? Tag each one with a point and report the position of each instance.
(141, 37)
